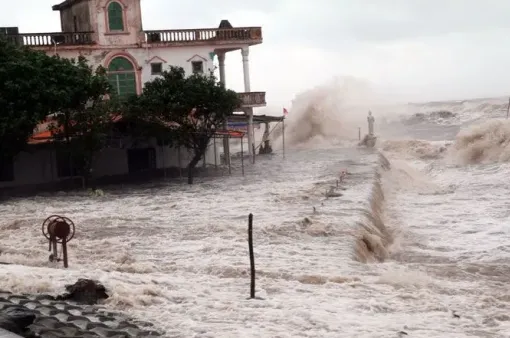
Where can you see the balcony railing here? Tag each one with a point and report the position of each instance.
(253, 99)
(51, 39)
(179, 36)
(242, 34)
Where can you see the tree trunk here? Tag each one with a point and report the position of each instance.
(193, 164)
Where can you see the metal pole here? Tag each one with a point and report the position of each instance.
(229, 164)
(226, 144)
(252, 257)
(283, 136)
(242, 154)
(359, 133)
(215, 154)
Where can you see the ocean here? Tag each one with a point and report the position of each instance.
(415, 243)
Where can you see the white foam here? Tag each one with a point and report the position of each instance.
(177, 255)
(486, 142)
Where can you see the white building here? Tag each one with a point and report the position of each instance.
(110, 33)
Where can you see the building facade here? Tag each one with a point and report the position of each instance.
(109, 33)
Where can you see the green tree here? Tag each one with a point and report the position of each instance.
(27, 93)
(84, 114)
(34, 85)
(185, 110)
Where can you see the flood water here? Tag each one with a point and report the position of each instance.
(177, 255)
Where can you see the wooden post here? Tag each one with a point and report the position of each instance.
(283, 136)
(64, 252)
(252, 258)
(242, 154)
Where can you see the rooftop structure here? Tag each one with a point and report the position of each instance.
(110, 33)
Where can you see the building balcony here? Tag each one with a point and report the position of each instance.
(205, 36)
(51, 39)
(252, 100)
(179, 37)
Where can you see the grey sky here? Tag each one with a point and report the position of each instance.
(418, 49)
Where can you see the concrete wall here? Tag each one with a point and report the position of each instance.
(92, 16)
(132, 33)
(40, 166)
(81, 12)
(143, 57)
(33, 168)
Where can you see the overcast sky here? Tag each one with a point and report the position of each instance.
(419, 49)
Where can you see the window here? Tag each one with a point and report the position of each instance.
(66, 165)
(122, 77)
(6, 169)
(141, 159)
(156, 68)
(115, 17)
(197, 67)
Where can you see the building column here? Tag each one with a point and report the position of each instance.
(221, 61)
(248, 111)
(226, 143)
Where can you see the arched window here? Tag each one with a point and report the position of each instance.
(115, 17)
(122, 77)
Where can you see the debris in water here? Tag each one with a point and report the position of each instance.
(85, 291)
(332, 193)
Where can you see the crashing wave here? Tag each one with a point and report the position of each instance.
(486, 142)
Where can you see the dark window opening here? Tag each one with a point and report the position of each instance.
(197, 67)
(156, 68)
(6, 169)
(153, 37)
(66, 167)
(140, 160)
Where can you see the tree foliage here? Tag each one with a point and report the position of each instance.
(185, 111)
(84, 116)
(27, 94)
(34, 85)
(180, 111)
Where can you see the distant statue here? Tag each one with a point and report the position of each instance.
(369, 139)
(371, 121)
